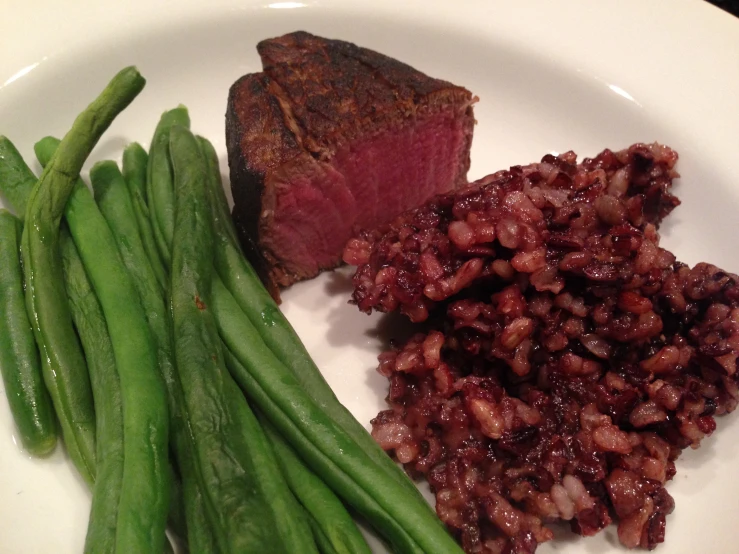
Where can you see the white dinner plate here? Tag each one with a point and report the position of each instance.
(551, 76)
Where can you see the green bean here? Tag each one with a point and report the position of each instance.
(277, 333)
(331, 523)
(328, 449)
(145, 487)
(219, 203)
(93, 333)
(134, 168)
(325, 546)
(249, 504)
(64, 367)
(115, 203)
(200, 536)
(135, 161)
(160, 188)
(106, 389)
(45, 149)
(90, 324)
(331, 474)
(16, 179)
(176, 518)
(19, 359)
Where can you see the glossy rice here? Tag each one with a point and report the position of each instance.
(565, 359)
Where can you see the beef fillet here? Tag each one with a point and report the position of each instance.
(330, 138)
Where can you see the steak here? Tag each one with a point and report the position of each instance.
(331, 138)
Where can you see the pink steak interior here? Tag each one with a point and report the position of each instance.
(318, 206)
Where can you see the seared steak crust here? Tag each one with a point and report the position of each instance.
(332, 91)
(300, 134)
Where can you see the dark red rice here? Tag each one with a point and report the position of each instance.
(566, 358)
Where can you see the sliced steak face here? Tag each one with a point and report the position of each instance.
(331, 138)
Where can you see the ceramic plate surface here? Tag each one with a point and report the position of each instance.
(551, 76)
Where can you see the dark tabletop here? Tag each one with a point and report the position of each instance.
(731, 6)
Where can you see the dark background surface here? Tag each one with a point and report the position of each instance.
(731, 6)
